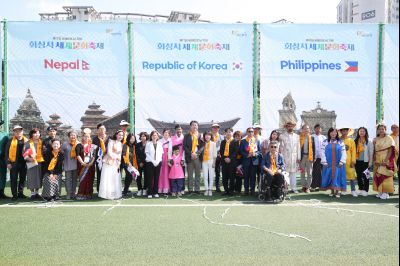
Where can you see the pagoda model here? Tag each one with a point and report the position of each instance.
(93, 116)
(28, 115)
(288, 112)
(63, 130)
(325, 118)
(54, 121)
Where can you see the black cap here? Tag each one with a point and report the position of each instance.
(51, 128)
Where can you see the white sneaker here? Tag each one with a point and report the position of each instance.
(156, 196)
(182, 193)
(295, 192)
(144, 193)
(355, 195)
(360, 192)
(149, 196)
(364, 193)
(384, 196)
(139, 193)
(206, 193)
(378, 195)
(210, 193)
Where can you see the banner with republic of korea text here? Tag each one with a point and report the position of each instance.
(66, 67)
(391, 75)
(187, 72)
(323, 74)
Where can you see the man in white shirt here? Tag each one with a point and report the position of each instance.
(317, 166)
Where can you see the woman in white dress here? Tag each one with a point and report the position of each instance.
(110, 184)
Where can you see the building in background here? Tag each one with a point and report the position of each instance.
(368, 11)
(89, 14)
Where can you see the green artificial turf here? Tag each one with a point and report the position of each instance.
(174, 231)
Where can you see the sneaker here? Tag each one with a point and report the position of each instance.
(295, 192)
(385, 196)
(354, 194)
(173, 194)
(149, 196)
(180, 194)
(22, 196)
(144, 193)
(308, 191)
(360, 192)
(378, 195)
(337, 196)
(331, 195)
(206, 193)
(139, 193)
(364, 193)
(210, 193)
(156, 196)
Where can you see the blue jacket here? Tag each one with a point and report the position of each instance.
(280, 164)
(243, 151)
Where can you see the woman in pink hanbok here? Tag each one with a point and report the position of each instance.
(163, 181)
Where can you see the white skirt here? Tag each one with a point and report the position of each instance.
(110, 183)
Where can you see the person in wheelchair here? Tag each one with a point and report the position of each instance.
(273, 165)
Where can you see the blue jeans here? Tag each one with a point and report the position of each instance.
(353, 185)
(250, 177)
(177, 185)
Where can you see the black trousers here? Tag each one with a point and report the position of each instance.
(142, 173)
(228, 176)
(17, 170)
(272, 183)
(316, 174)
(363, 182)
(127, 181)
(151, 180)
(217, 172)
(98, 177)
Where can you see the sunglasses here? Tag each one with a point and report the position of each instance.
(251, 131)
(274, 147)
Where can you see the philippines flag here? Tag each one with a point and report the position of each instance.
(353, 66)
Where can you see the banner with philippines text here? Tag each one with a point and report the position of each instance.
(322, 74)
(63, 67)
(391, 75)
(187, 72)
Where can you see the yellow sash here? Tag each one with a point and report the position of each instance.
(195, 142)
(360, 147)
(226, 151)
(273, 163)
(310, 151)
(39, 156)
(12, 155)
(206, 155)
(53, 161)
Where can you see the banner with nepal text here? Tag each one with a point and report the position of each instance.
(391, 75)
(68, 66)
(324, 74)
(187, 72)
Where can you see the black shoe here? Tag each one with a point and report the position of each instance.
(22, 196)
(226, 194)
(196, 192)
(218, 190)
(14, 198)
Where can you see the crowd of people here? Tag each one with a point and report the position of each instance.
(162, 164)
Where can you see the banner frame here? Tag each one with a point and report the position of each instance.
(4, 99)
(131, 85)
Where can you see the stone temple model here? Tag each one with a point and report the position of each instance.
(28, 115)
(203, 126)
(325, 118)
(288, 111)
(92, 117)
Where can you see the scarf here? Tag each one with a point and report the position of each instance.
(102, 145)
(206, 155)
(195, 142)
(310, 151)
(216, 138)
(73, 149)
(226, 151)
(273, 163)
(12, 155)
(252, 144)
(124, 139)
(126, 157)
(360, 147)
(39, 156)
(239, 156)
(53, 161)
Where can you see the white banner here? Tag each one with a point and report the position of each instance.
(391, 75)
(318, 74)
(187, 72)
(68, 66)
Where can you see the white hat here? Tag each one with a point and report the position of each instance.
(123, 123)
(17, 127)
(257, 126)
(215, 125)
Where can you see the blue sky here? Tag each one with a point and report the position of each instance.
(224, 11)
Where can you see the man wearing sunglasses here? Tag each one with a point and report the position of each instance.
(272, 166)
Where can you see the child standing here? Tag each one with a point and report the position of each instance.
(176, 175)
(208, 158)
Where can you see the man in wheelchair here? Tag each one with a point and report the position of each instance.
(273, 182)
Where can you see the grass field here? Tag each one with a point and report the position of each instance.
(194, 230)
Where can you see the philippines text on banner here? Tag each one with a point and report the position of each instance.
(391, 75)
(318, 74)
(187, 72)
(65, 67)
